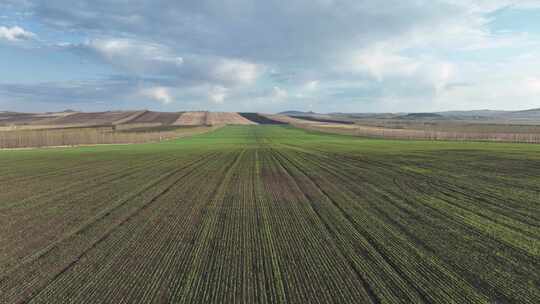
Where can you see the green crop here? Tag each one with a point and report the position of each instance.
(271, 214)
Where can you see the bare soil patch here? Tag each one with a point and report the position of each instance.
(192, 119)
(228, 118)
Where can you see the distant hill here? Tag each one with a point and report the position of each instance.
(127, 119)
(366, 115)
(537, 110)
(323, 119)
(421, 116)
(473, 113)
(123, 119)
(298, 113)
(532, 114)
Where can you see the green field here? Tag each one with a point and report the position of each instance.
(271, 214)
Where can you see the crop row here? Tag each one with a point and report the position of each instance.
(270, 215)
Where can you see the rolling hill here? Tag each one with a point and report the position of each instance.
(127, 119)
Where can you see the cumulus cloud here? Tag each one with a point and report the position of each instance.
(119, 48)
(380, 64)
(311, 85)
(160, 94)
(383, 65)
(218, 94)
(15, 33)
(279, 94)
(132, 55)
(264, 30)
(403, 55)
(236, 71)
(143, 58)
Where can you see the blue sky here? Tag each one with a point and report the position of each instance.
(267, 56)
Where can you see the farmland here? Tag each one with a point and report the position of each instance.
(271, 214)
(69, 128)
(486, 125)
(24, 130)
(418, 129)
(123, 134)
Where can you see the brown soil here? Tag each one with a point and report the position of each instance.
(191, 119)
(165, 118)
(98, 118)
(227, 118)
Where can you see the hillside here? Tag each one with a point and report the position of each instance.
(298, 113)
(125, 119)
(421, 116)
(477, 115)
(532, 114)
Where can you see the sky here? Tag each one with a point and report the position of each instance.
(269, 56)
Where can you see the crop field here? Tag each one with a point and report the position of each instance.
(428, 133)
(319, 119)
(136, 133)
(271, 214)
(445, 129)
(164, 118)
(261, 119)
(95, 118)
(222, 118)
(192, 119)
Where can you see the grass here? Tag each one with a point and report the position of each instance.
(272, 214)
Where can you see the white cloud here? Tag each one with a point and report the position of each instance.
(136, 56)
(279, 94)
(494, 94)
(486, 6)
(512, 85)
(161, 94)
(118, 48)
(144, 59)
(308, 89)
(311, 85)
(532, 84)
(236, 71)
(409, 55)
(218, 94)
(15, 33)
(380, 63)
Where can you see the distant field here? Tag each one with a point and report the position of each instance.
(27, 130)
(192, 119)
(493, 127)
(318, 119)
(261, 119)
(222, 118)
(12, 121)
(271, 214)
(94, 118)
(453, 130)
(137, 133)
(165, 118)
(425, 126)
